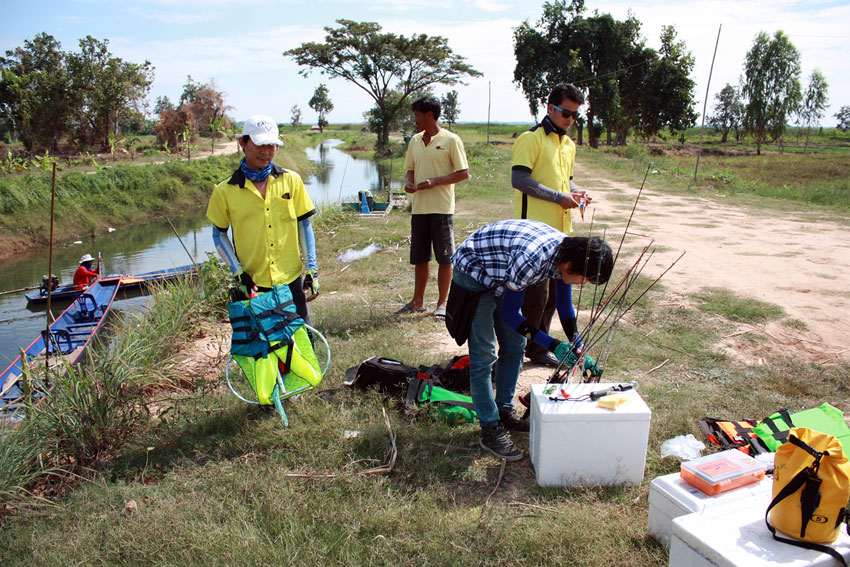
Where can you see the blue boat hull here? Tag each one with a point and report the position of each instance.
(67, 292)
(69, 337)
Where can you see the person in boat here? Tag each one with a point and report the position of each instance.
(85, 276)
(542, 174)
(269, 209)
(435, 161)
(497, 264)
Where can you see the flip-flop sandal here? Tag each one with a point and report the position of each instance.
(408, 308)
(440, 313)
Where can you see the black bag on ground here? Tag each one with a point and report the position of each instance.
(454, 376)
(460, 309)
(390, 376)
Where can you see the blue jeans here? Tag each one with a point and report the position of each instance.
(486, 333)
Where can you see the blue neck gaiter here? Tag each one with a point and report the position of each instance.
(256, 174)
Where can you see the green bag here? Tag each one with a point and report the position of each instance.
(824, 418)
(441, 403)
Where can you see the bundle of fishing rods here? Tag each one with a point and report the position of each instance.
(598, 333)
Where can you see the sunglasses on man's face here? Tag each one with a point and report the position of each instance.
(567, 114)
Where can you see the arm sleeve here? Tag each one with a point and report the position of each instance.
(307, 242)
(510, 312)
(225, 249)
(566, 312)
(521, 179)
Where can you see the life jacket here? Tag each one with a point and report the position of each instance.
(825, 418)
(272, 346)
(727, 434)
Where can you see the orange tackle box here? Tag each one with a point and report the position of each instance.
(722, 471)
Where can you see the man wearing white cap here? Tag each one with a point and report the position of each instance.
(84, 274)
(270, 211)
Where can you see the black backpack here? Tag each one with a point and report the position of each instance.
(390, 376)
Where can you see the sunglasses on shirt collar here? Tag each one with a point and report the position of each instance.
(574, 114)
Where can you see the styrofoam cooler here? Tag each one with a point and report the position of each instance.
(578, 443)
(671, 497)
(738, 537)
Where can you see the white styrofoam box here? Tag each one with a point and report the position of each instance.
(737, 537)
(577, 443)
(671, 497)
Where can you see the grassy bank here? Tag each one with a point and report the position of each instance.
(204, 479)
(88, 200)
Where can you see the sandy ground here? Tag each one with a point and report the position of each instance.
(797, 261)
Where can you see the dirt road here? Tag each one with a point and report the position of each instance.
(797, 260)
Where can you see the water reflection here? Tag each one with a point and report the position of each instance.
(339, 176)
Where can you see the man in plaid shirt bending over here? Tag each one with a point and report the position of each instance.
(496, 264)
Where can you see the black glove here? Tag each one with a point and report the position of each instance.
(245, 284)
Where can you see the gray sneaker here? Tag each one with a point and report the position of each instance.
(513, 422)
(498, 442)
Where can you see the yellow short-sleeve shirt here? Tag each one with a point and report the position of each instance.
(443, 155)
(265, 230)
(550, 158)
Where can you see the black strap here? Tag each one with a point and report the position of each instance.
(524, 213)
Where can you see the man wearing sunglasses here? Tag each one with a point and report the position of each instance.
(542, 172)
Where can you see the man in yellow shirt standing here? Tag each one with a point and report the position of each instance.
(435, 161)
(270, 211)
(542, 172)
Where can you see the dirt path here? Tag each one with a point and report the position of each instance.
(798, 261)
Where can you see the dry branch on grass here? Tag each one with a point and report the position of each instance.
(383, 469)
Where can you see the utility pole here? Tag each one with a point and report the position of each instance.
(705, 102)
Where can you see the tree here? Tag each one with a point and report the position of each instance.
(728, 112)
(108, 88)
(668, 90)
(162, 104)
(380, 63)
(814, 102)
(449, 108)
(295, 114)
(628, 84)
(843, 117)
(36, 98)
(771, 86)
(202, 111)
(322, 104)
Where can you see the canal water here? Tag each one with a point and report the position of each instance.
(154, 246)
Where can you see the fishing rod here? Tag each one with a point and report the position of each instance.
(629, 222)
(181, 242)
(50, 272)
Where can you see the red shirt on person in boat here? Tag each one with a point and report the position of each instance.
(84, 276)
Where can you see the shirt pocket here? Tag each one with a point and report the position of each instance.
(282, 208)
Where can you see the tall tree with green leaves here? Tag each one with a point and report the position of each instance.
(449, 108)
(628, 85)
(322, 105)
(295, 116)
(382, 63)
(771, 86)
(843, 117)
(728, 112)
(109, 88)
(36, 98)
(814, 102)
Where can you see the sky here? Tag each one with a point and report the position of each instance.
(238, 44)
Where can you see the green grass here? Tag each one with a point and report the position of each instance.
(215, 481)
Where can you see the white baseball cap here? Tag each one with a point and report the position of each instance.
(262, 129)
(86, 258)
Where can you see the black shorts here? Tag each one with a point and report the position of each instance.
(432, 230)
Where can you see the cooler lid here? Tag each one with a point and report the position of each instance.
(635, 409)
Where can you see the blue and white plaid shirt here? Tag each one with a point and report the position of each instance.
(517, 253)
